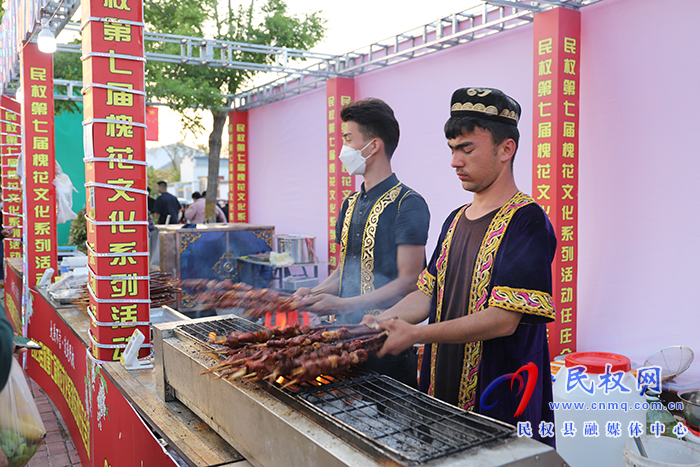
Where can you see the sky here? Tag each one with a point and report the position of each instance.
(350, 25)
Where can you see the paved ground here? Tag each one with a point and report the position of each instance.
(58, 449)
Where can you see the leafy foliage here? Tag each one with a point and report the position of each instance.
(78, 232)
(67, 66)
(153, 176)
(184, 87)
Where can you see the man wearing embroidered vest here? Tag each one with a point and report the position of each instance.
(382, 231)
(487, 289)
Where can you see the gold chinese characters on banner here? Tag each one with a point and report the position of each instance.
(557, 49)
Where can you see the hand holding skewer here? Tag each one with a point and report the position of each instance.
(400, 337)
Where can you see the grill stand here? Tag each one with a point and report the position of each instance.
(269, 432)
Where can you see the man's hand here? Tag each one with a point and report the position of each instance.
(17, 352)
(5, 233)
(324, 304)
(401, 336)
(302, 292)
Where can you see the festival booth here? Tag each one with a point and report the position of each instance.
(583, 71)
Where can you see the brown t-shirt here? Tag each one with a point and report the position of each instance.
(465, 246)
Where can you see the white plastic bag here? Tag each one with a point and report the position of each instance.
(70, 285)
(64, 196)
(21, 428)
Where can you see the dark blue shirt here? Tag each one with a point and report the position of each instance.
(167, 204)
(388, 215)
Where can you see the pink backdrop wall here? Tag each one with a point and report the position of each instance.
(638, 273)
(639, 67)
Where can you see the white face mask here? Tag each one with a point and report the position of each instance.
(352, 159)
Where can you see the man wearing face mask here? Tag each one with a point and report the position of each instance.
(382, 231)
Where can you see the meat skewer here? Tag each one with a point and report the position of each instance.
(163, 291)
(298, 353)
(226, 294)
(238, 339)
(309, 370)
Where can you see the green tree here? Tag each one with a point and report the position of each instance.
(67, 66)
(183, 87)
(153, 176)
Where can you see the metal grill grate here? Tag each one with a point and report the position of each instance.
(201, 330)
(376, 414)
(387, 419)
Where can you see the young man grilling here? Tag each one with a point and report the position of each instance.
(487, 289)
(382, 231)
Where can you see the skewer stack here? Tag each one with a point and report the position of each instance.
(226, 294)
(296, 353)
(164, 290)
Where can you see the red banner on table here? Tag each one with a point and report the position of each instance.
(39, 163)
(105, 428)
(10, 149)
(339, 91)
(557, 43)
(60, 369)
(121, 436)
(238, 166)
(114, 107)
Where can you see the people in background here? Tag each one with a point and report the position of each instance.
(151, 202)
(224, 209)
(167, 207)
(195, 214)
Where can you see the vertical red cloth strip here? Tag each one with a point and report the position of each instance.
(238, 203)
(39, 163)
(11, 139)
(557, 50)
(114, 108)
(339, 91)
(152, 123)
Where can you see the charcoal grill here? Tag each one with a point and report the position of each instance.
(356, 418)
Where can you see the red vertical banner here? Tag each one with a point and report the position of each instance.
(10, 149)
(60, 369)
(557, 43)
(114, 136)
(238, 166)
(39, 163)
(152, 123)
(339, 91)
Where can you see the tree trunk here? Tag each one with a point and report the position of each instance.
(214, 157)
